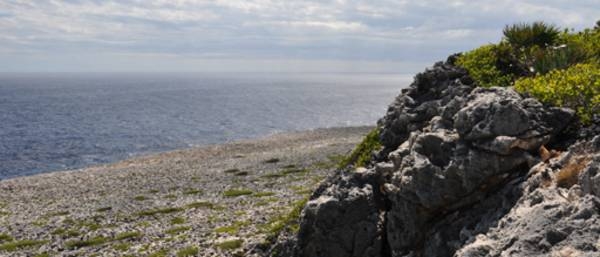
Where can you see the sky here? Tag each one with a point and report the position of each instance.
(260, 35)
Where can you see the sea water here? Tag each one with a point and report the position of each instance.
(58, 121)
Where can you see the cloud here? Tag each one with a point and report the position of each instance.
(333, 31)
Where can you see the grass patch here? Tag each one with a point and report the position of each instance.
(42, 255)
(171, 196)
(188, 251)
(153, 212)
(241, 173)
(159, 253)
(15, 245)
(230, 244)
(56, 214)
(122, 247)
(128, 235)
(237, 192)
(273, 175)
(272, 160)
(263, 194)
(104, 209)
(140, 198)
(234, 170)
(232, 229)
(5, 237)
(361, 155)
(75, 244)
(177, 230)
(192, 192)
(177, 220)
(153, 191)
(4, 213)
(202, 204)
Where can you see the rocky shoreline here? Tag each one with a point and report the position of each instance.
(463, 171)
(222, 200)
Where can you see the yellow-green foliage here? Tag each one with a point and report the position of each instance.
(361, 155)
(577, 87)
(481, 65)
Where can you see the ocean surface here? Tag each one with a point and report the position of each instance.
(59, 121)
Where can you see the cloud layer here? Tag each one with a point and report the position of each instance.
(246, 35)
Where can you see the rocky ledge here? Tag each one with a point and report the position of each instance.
(463, 171)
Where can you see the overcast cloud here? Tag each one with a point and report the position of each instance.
(260, 35)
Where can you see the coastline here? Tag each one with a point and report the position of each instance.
(200, 196)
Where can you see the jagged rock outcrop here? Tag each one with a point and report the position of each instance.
(460, 175)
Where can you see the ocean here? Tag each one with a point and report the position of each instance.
(60, 121)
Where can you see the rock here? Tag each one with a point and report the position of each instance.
(342, 221)
(460, 175)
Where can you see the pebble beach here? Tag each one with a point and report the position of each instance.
(219, 200)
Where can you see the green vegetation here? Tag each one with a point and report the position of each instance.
(122, 247)
(287, 221)
(140, 198)
(234, 170)
(272, 160)
(577, 87)
(188, 251)
(192, 191)
(42, 255)
(361, 155)
(526, 35)
(263, 194)
(481, 64)
(237, 192)
(230, 244)
(56, 214)
(165, 210)
(177, 230)
(177, 220)
(159, 253)
(128, 235)
(232, 229)
(5, 237)
(202, 204)
(104, 209)
(98, 240)
(558, 68)
(15, 245)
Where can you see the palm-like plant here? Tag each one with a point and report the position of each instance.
(525, 35)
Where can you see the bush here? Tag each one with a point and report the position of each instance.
(481, 64)
(524, 35)
(577, 87)
(560, 57)
(587, 42)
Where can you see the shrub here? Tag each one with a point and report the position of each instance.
(577, 87)
(525, 35)
(587, 42)
(481, 65)
(560, 57)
